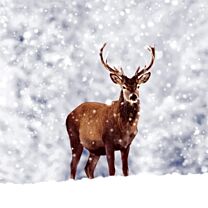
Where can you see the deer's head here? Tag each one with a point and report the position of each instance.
(130, 86)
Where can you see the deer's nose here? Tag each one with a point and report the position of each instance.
(133, 97)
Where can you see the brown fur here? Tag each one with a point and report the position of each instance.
(103, 129)
(98, 127)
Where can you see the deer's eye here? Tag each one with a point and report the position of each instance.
(138, 86)
(124, 87)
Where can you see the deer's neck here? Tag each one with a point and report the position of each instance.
(128, 111)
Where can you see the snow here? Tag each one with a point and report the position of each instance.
(49, 64)
(143, 190)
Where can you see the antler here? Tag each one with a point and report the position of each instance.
(146, 68)
(113, 70)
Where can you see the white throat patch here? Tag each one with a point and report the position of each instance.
(126, 95)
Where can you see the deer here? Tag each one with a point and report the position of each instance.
(103, 129)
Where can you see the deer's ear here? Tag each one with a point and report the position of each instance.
(116, 79)
(144, 78)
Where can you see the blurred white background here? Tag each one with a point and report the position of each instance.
(49, 64)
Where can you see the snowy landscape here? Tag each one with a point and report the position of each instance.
(143, 190)
(49, 63)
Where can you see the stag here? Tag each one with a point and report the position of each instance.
(103, 129)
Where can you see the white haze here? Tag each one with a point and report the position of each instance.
(49, 64)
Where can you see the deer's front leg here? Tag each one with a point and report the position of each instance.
(110, 158)
(124, 157)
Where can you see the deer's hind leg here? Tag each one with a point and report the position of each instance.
(77, 149)
(91, 164)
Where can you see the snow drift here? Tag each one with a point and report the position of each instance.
(146, 191)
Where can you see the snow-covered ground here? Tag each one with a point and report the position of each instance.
(49, 64)
(145, 191)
